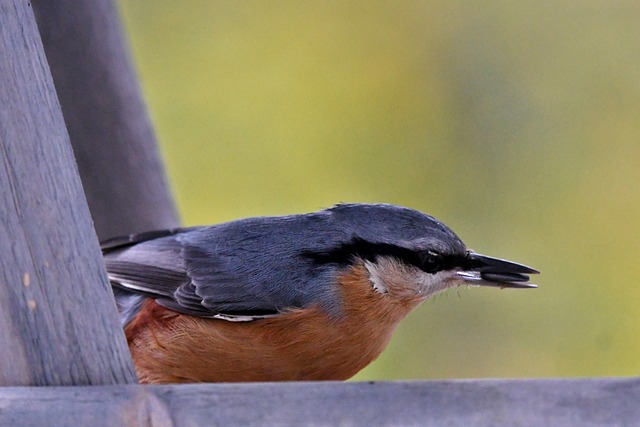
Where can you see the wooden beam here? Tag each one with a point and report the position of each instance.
(58, 323)
(110, 131)
(478, 403)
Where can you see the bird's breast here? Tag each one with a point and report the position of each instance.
(301, 344)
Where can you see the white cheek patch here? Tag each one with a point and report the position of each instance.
(431, 284)
(385, 274)
(377, 281)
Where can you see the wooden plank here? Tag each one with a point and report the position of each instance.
(557, 402)
(110, 131)
(58, 324)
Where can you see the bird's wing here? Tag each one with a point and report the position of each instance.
(211, 271)
(145, 263)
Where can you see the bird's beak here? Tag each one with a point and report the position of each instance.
(482, 270)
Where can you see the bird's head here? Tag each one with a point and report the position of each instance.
(409, 253)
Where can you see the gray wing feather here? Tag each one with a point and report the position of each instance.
(247, 269)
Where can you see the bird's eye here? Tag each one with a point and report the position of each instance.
(432, 262)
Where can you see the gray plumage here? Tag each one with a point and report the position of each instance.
(263, 266)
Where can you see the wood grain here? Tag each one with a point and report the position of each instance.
(477, 403)
(58, 324)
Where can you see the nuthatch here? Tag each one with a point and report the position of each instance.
(300, 297)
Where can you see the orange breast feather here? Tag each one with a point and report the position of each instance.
(303, 344)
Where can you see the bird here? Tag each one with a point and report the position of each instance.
(302, 297)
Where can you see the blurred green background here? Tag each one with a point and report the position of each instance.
(516, 123)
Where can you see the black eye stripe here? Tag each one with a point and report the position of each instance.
(430, 262)
(345, 253)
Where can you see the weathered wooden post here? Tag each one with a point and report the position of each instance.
(58, 324)
(106, 117)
